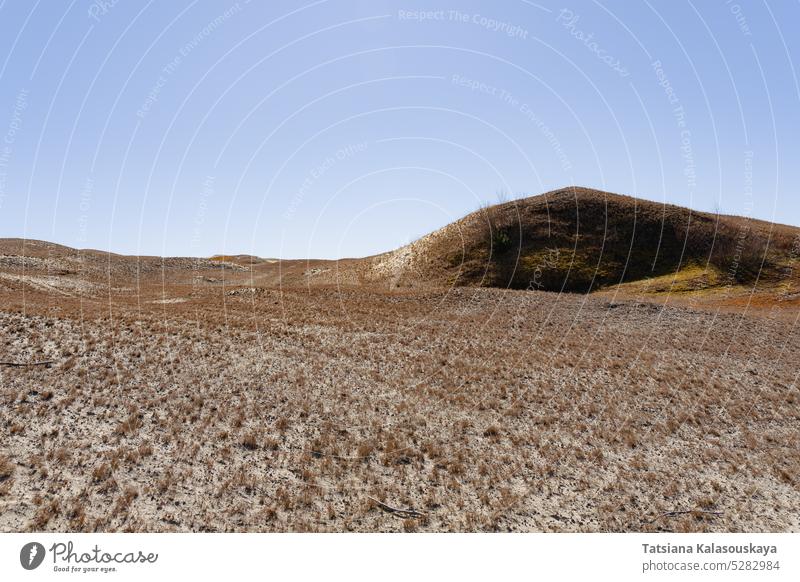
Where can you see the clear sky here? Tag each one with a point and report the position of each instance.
(346, 128)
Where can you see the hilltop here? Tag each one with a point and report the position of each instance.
(580, 240)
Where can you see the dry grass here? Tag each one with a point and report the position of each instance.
(483, 410)
(7, 468)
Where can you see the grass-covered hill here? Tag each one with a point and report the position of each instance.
(578, 239)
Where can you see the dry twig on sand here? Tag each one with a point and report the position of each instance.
(399, 511)
(24, 365)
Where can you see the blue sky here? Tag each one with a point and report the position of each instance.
(346, 128)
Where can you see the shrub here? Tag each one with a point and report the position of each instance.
(501, 242)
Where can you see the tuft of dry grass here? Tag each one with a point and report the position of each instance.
(7, 468)
(250, 441)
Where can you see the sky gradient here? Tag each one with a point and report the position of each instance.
(346, 128)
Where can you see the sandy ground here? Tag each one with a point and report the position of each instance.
(187, 398)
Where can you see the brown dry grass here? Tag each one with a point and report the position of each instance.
(480, 409)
